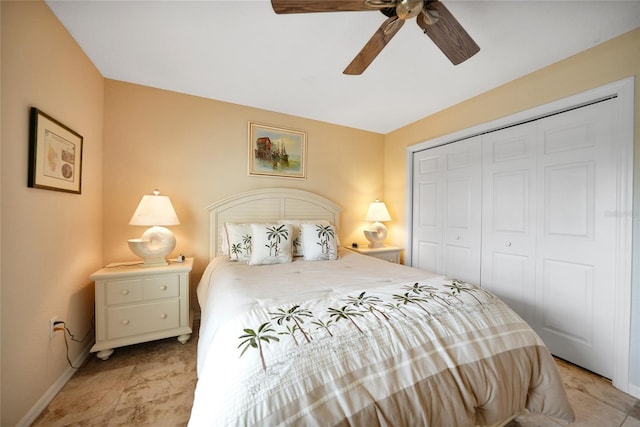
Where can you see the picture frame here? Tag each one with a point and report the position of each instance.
(277, 151)
(55, 154)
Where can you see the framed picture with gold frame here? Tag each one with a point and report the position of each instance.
(277, 152)
(55, 154)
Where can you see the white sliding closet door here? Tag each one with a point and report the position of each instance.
(509, 216)
(576, 236)
(446, 210)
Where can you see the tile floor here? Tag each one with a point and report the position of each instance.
(152, 384)
(149, 384)
(595, 402)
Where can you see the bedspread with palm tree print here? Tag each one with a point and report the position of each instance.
(418, 301)
(434, 351)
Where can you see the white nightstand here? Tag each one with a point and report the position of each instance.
(387, 253)
(135, 304)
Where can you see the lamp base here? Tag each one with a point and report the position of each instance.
(376, 235)
(154, 246)
(154, 263)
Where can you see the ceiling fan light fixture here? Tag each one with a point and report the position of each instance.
(407, 9)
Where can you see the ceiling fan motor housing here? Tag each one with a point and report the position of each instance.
(407, 9)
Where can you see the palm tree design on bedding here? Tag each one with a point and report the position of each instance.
(325, 234)
(364, 312)
(275, 235)
(253, 339)
(239, 248)
(295, 314)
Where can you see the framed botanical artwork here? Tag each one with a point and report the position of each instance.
(55, 154)
(277, 152)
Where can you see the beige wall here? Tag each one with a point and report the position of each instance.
(51, 241)
(195, 151)
(606, 63)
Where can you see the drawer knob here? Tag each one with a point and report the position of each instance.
(163, 316)
(163, 287)
(125, 292)
(508, 243)
(125, 322)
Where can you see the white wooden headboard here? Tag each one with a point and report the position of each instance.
(265, 205)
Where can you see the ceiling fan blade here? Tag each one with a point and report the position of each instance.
(308, 6)
(447, 33)
(374, 46)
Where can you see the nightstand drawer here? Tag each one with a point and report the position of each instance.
(161, 287)
(123, 291)
(386, 253)
(137, 290)
(388, 256)
(143, 318)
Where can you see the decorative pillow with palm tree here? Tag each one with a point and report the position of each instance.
(271, 244)
(238, 241)
(296, 242)
(319, 242)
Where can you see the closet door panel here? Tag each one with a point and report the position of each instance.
(569, 200)
(509, 271)
(459, 230)
(447, 209)
(576, 239)
(562, 282)
(428, 257)
(462, 210)
(508, 216)
(427, 209)
(511, 201)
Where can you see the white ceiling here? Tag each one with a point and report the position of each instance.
(242, 52)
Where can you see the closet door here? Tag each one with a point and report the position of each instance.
(509, 216)
(576, 236)
(447, 209)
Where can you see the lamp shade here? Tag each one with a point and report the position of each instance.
(378, 212)
(154, 210)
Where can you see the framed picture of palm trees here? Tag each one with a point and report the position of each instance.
(277, 152)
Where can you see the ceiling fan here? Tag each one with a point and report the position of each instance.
(432, 16)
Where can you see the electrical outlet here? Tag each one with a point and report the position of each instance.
(52, 325)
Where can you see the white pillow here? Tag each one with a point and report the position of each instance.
(271, 244)
(239, 241)
(319, 242)
(296, 243)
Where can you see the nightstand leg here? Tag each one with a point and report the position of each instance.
(184, 338)
(104, 354)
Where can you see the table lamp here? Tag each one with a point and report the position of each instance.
(157, 242)
(377, 232)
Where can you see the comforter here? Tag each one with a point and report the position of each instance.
(359, 341)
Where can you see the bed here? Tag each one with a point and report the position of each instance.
(324, 336)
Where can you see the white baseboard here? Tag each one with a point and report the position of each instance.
(48, 396)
